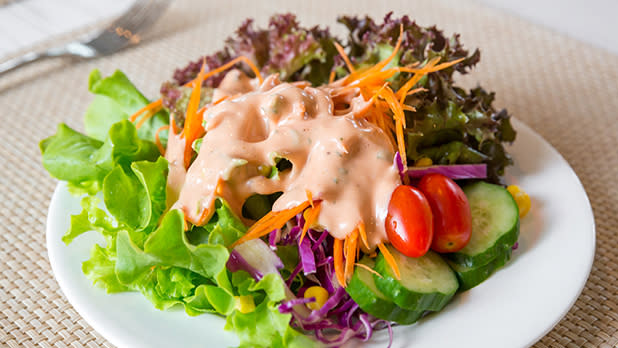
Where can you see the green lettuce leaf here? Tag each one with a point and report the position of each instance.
(210, 299)
(137, 198)
(84, 161)
(69, 155)
(224, 227)
(169, 243)
(91, 218)
(116, 98)
(265, 326)
(101, 269)
(123, 146)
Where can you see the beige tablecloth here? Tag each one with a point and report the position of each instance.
(565, 90)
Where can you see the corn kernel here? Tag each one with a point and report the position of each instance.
(423, 162)
(521, 198)
(320, 294)
(245, 304)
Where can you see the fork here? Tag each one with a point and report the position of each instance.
(122, 32)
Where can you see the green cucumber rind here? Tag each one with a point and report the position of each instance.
(407, 298)
(470, 277)
(505, 242)
(380, 308)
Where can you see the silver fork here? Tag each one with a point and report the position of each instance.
(122, 32)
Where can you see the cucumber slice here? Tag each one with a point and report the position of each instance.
(470, 277)
(427, 282)
(495, 225)
(364, 292)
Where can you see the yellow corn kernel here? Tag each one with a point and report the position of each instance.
(423, 162)
(320, 294)
(245, 304)
(521, 198)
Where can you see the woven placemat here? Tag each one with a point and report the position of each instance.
(567, 91)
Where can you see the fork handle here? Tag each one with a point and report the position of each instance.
(32, 57)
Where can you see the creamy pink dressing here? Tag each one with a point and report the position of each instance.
(344, 161)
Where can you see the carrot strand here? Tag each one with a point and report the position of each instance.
(311, 214)
(345, 57)
(363, 234)
(309, 197)
(338, 261)
(274, 220)
(158, 140)
(368, 269)
(390, 260)
(331, 77)
(350, 253)
(153, 105)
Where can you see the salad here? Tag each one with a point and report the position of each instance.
(311, 190)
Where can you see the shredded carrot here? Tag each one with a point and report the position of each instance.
(157, 103)
(331, 77)
(153, 105)
(363, 234)
(350, 248)
(345, 57)
(390, 260)
(158, 140)
(408, 107)
(428, 68)
(193, 121)
(400, 119)
(372, 84)
(368, 269)
(271, 221)
(230, 64)
(311, 214)
(338, 261)
(203, 219)
(416, 90)
(146, 117)
(309, 197)
(219, 187)
(218, 101)
(381, 65)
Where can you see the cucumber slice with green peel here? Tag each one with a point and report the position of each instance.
(495, 225)
(470, 277)
(427, 282)
(364, 292)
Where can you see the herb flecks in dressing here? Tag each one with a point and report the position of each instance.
(334, 157)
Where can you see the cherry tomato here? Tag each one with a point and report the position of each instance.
(409, 224)
(452, 220)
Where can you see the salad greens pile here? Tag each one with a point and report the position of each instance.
(147, 249)
(451, 125)
(122, 176)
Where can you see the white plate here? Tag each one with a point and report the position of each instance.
(514, 308)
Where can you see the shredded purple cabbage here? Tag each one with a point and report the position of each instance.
(273, 237)
(340, 318)
(453, 171)
(287, 306)
(399, 165)
(238, 263)
(306, 256)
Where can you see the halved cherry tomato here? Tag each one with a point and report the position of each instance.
(409, 222)
(452, 220)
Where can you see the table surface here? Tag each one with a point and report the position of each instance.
(564, 89)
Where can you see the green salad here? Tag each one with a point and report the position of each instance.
(310, 189)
